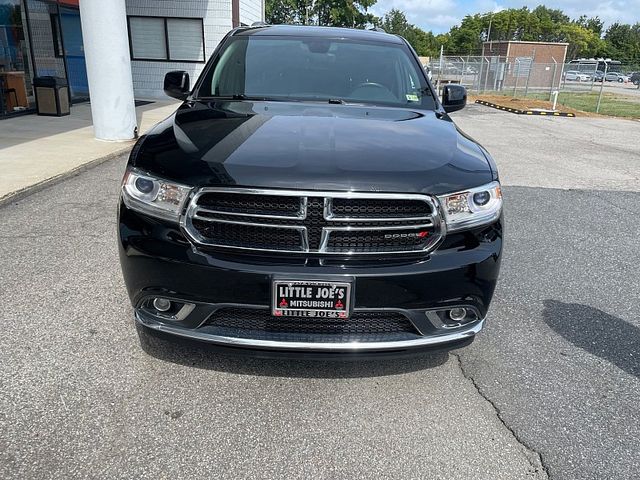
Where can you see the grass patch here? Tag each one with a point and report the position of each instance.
(612, 104)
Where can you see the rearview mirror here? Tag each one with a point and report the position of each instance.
(176, 84)
(454, 97)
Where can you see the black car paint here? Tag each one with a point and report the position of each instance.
(312, 146)
(309, 146)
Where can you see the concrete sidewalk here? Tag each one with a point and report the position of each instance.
(36, 151)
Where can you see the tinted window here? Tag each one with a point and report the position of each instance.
(309, 68)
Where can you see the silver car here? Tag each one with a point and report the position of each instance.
(616, 77)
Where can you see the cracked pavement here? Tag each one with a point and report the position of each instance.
(548, 390)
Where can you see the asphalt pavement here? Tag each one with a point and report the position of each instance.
(548, 390)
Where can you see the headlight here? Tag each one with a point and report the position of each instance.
(152, 195)
(473, 207)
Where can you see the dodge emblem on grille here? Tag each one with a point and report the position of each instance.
(390, 236)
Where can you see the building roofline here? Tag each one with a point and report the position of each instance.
(522, 41)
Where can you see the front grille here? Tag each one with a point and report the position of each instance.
(313, 222)
(376, 240)
(377, 208)
(245, 204)
(250, 236)
(259, 324)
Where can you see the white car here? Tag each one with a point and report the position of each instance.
(577, 76)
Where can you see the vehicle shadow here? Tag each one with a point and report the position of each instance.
(201, 355)
(597, 332)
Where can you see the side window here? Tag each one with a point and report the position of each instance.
(230, 71)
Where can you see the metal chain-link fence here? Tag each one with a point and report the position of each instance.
(594, 86)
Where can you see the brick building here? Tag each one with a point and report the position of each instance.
(536, 64)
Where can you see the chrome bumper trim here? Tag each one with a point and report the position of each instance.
(462, 334)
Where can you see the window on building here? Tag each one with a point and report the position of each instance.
(166, 39)
(57, 37)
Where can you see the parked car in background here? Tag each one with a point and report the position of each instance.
(447, 68)
(616, 77)
(598, 76)
(635, 78)
(575, 75)
(311, 194)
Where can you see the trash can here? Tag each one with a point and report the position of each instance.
(52, 96)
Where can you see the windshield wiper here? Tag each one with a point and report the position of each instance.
(336, 101)
(241, 96)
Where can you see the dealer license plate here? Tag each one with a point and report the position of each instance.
(311, 299)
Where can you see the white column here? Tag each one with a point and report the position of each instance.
(106, 48)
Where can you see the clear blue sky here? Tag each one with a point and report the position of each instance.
(440, 15)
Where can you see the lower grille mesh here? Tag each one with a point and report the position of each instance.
(250, 236)
(362, 326)
(373, 208)
(376, 241)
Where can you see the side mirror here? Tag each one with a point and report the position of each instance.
(176, 84)
(454, 97)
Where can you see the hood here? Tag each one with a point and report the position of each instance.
(313, 146)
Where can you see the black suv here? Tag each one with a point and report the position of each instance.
(311, 194)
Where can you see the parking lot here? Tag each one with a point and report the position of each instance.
(549, 390)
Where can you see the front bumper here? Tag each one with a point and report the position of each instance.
(452, 338)
(157, 260)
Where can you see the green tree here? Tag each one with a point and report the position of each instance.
(344, 13)
(594, 24)
(582, 41)
(395, 22)
(541, 24)
(334, 13)
(290, 12)
(623, 42)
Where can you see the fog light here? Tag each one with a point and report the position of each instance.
(457, 314)
(161, 304)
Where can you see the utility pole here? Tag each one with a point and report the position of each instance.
(308, 7)
(441, 64)
(606, 67)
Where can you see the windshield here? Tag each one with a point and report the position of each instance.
(317, 69)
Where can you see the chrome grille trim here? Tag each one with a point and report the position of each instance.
(329, 215)
(435, 221)
(356, 228)
(302, 213)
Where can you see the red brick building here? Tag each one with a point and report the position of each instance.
(536, 64)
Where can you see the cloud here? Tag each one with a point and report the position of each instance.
(441, 15)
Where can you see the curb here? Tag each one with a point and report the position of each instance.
(49, 182)
(525, 112)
